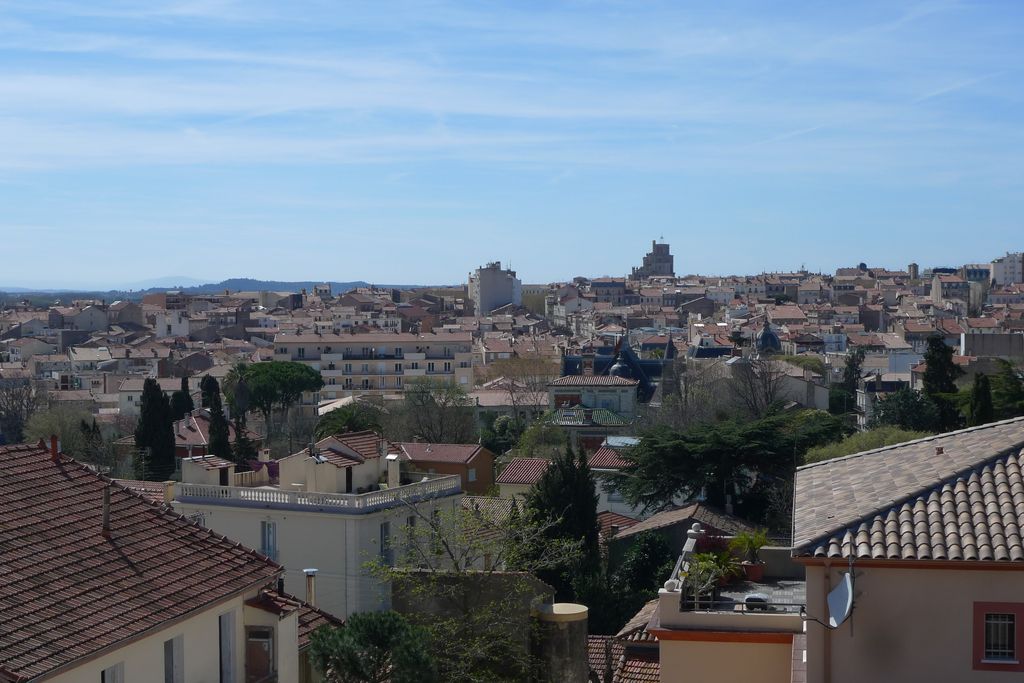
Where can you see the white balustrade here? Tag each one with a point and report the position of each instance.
(361, 501)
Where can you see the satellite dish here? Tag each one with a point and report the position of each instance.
(840, 602)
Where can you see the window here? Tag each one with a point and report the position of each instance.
(999, 637)
(268, 539)
(471, 475)
(430, 367)
(447, 367)
(302, 352)
(113, 674)
(398, 367)
(366, 367)
(386, 556)
(996, 644)
(414, 366)
(348, 367)
(174, 660)
(260, 664)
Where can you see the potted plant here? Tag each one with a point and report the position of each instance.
(748, 546)
(699, 580)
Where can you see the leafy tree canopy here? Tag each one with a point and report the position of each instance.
(862, 441)
(373, 647)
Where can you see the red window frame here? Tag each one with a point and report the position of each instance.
(980, 610)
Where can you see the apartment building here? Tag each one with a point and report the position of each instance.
(380, 362)
(492, 287)
(334, 506)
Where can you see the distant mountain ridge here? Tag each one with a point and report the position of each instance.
(237, 284)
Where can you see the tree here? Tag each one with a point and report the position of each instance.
(1007, 392)
(220, 435)
(981, 410)
(467, 575)
(525, 379)
(439, 411)
(499, 433)
(373, 647)
(542, 439)
(279, 384)
(354, 417)
(20, 399)
(852, 372)
(181, 401)
(154, 435)
(735, 462)
(63, 422)
(907, 409)
(756, 385)
(863, 441)
(939, 381)
(566, 495)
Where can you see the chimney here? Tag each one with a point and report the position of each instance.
(394, 471)
(106, 511)
(169, 491)
(264, 455)
(54, 448)
(280, 585)
(310, 585)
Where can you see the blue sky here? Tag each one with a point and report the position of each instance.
(411, 141)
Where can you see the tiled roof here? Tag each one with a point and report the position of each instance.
(596, 653)
(310, 618)
(593, 381)
(210, 462)
(523, 471)
(955, 496)
(635, 630)
(708, 516)
(639, 667)
(607, 459)
(152, 491)
(67, 592)
(607, 519)
(441, 452)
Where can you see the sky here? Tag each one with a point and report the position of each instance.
(409, 142)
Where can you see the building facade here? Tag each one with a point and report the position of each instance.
(492, 287)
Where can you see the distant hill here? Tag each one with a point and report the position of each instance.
(238, 284)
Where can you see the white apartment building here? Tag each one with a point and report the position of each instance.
(336, 509)
(490, 287)
(353, 364)
(1008, 269)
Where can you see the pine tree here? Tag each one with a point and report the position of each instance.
(982, 411)
(154, 435)
(243, 449)
(566, 494)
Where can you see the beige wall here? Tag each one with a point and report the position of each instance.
(143, 659)
(907, 624)
(685, 661)
(338, 545)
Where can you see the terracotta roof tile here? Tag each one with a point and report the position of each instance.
(67, 592)
(607, 519)
(607, 459)
(597, 653)
(708, 516)
(523, 471)
(635, 630)
(639, 667)
(915, 501)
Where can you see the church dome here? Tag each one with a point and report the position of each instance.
(767, 341)
(620, 369)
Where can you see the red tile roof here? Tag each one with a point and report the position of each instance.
(607, 459)
(523, 471)
(597, 654)
(640, 667)
(310, 618)
(67, 592)
(607, 519)
(708, 517)
(152, 491)
(367, 444)
(441, 452)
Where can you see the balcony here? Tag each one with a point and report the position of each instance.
(434, 486)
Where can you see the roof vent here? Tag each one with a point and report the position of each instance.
(939, 450)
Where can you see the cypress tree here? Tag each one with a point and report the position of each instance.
(940, 381)
(181, 401)
(220, 438)
(567, 497)
(982, 411)
(154, 435)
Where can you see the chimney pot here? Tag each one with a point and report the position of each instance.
(310, 585)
